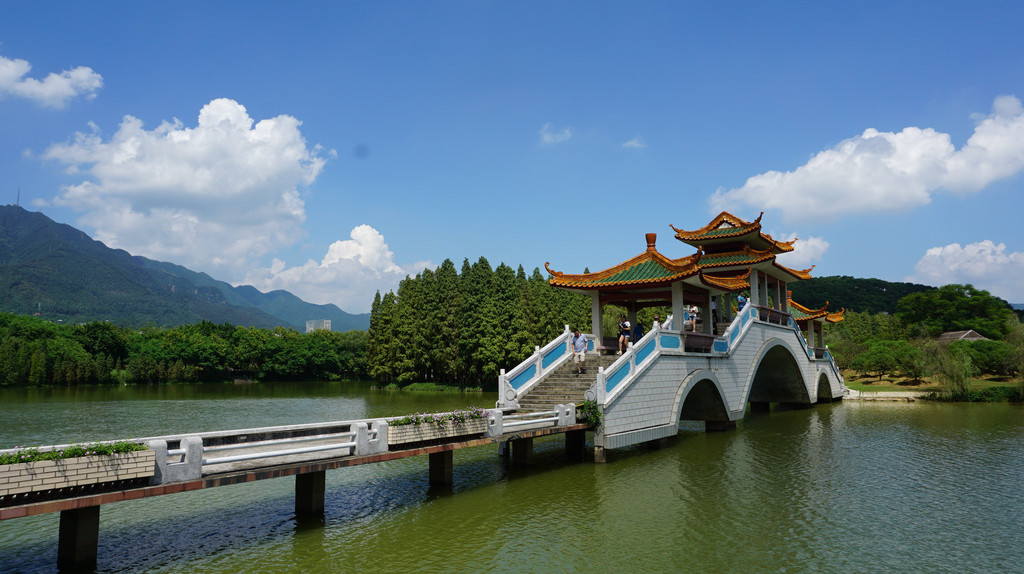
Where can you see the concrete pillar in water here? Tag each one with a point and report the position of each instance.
(575, 442)
(79, 538)
(441, 468)
(309, 493)
(522, 452)
(599, 455)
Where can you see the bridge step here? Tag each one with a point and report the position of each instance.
(564, 385)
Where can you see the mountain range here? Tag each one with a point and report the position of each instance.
(61, 274)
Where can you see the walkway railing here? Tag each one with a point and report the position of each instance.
(524, 376)
(639, 356)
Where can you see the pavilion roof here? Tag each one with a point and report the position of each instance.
(727, 249)
(726, 228)
(803, 314)
(648, 269)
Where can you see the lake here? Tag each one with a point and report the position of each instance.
(843, 487)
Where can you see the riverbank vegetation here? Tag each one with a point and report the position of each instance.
(882, 350)
(35, 352)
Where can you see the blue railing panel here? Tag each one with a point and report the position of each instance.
(720, 346)
(670, 341)
(554, 354)
(616, 378)
(524, 377)
(644, 351)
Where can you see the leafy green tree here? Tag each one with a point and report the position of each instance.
(880, 358)
(956, 308)
(988, 357)
(955, 369)
(445, 321)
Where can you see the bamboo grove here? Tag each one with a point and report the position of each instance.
(460, 327)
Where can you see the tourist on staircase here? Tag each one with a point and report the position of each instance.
(579, 352)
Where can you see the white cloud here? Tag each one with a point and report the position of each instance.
(550, 137)
(54, 90)
(806, 252)
(635, 143)
(349, 274)
(886, 171)
(212, 197)
(984, 264)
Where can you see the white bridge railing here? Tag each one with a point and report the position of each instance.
(524, 376)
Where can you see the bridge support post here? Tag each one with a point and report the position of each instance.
(78, 542)
(599, 455)
(522, 452)
(309, 494)
(441, 468)
(575, 442)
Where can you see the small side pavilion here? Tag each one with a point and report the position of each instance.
(733, 256)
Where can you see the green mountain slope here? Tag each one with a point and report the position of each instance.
(862, 295)
(64, 275)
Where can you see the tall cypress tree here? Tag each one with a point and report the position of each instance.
(474, 325)
(446, 321)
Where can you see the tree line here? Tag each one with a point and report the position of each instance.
(461, 327)
(904, 343)
(37, 352)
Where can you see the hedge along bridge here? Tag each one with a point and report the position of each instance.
(78, 487)
(707, 365)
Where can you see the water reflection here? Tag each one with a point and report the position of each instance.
(840, 488)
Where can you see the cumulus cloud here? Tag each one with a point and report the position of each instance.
(548, 136)
(984, 264)
(211, 197)
(351, 271)
(635, 143)
(806, 252)
(885, 171)
(54, 90)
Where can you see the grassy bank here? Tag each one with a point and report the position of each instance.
(982, 389)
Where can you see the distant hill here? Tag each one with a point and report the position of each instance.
(64, 275)
(861, 295)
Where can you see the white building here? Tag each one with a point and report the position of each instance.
(318, 325)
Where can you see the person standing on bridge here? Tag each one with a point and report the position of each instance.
(579, 351)
(624, 329)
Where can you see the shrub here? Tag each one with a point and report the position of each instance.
(33, 454)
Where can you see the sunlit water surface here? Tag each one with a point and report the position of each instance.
(848, 487)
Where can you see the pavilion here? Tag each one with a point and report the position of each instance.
(733, 256)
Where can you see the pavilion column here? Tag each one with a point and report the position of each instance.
(706, 312)
(596, 316)
(778, 296)
(785, 300)
(755, 284)
(763, 291)
(677, 306)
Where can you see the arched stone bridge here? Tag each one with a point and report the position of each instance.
(672, 375)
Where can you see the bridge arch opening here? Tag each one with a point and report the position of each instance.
(824, 389)
(778, 379)
(704, 403)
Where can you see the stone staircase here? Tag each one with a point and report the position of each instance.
(563, 385)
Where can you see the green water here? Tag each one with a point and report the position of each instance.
(848, 487)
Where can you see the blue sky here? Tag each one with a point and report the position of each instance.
(332, 148)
